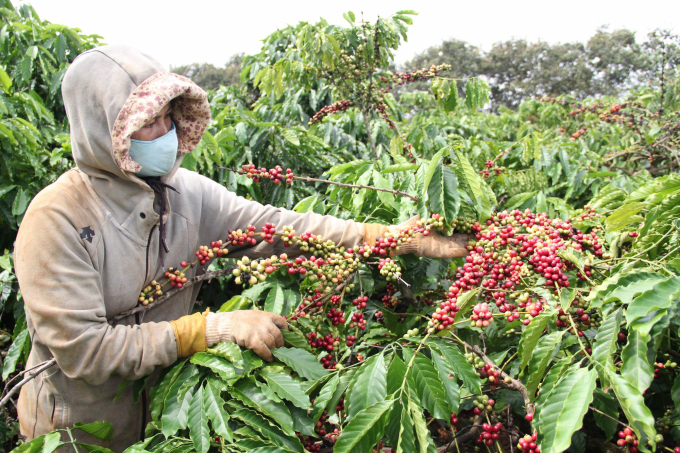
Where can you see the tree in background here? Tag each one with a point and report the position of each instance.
(209, 77)
(609, 64)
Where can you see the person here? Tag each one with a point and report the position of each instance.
(93, 239)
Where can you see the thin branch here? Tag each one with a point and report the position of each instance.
(514, 384)
(31, 375)
(335, 183)
(160, 300)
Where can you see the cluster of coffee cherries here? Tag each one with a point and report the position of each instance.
(205, 253)
(177, 277)
(310, 443)
(527, 444)
(358, 321)
(454, 421)
(551, 100)
(360, 302)
(578, 109)
(512, 247)
(389, 269)
(147, 295)
(491, 165)
(276, 174)
(241, 237)
(338, 106)
(402, 78)
(663, 366)
(336, 316)
(490, 373)
(628, 438)
(589, 213)
(578, 134)
(481, 315)
(255, 271)
(483, 403)
(388, 299)
(489, 433)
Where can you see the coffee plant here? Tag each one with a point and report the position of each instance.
(558, 331)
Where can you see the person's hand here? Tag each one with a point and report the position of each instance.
(434, 245)
(250, 329)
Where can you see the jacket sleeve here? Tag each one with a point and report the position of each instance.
(223, 210)
(63, 297)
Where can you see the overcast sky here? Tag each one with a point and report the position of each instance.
(179, 31)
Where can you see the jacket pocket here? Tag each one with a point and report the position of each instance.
(59, 412)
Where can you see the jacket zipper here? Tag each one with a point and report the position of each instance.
(137, 320)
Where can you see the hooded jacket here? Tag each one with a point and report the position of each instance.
(88, 244)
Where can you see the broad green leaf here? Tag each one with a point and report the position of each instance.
(5, 81)
(268, 430)
(661, 296)
(428, 386)
(606, 338)
(564, 409)
(295, 340)
(198, 422)
(605, 402)
(452, 101)
(219, 365)
(251, 395)
(557, 372)
(623, 216)
(623, 287)
(465, 302)
(447, 377)
(395, 375)
(301, 421)
(324, 397)
(52, 442)
(566, 298)
(482, 203)
(364, 430)
(228, 350)
(33, 446)
(346, 380)
(425, 443)
(639, 416)
(286, 387)
(20, 202)
(275, 300)
(531, 335)
(636, 369)
(461, 366)
(100, 430)
(159, 392)
(540, 359)
(432, 167)
(290, 137)
(214, 409)
(442, 193)
(176, 410)
(400, 167)
(302, 362)
(93, 448)
(406, 442)
(14, 353)
(370, 386)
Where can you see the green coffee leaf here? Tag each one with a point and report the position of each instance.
(636, 368)
(286, 387)
(531, 335)
(198, 422)
(304, 363)
(370, 386)
(251, 395)
(564, 409)
(214, 409)
(364, 430)
(100, 430)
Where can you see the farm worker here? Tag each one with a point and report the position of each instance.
(93, 239)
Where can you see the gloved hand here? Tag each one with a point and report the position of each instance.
(435, 245)
(251, 329)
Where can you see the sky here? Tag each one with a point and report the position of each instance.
(179, 32)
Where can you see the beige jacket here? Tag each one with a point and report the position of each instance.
(88, 244)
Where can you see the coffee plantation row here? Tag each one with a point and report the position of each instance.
(559, 330)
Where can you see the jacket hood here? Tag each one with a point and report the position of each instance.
(110, 92)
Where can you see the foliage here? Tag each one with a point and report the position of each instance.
(33, 127)
(559, 329)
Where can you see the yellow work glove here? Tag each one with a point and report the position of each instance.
(435, 245)
(251, 329)
(190, 334)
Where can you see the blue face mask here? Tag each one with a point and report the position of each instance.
(157, 157)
